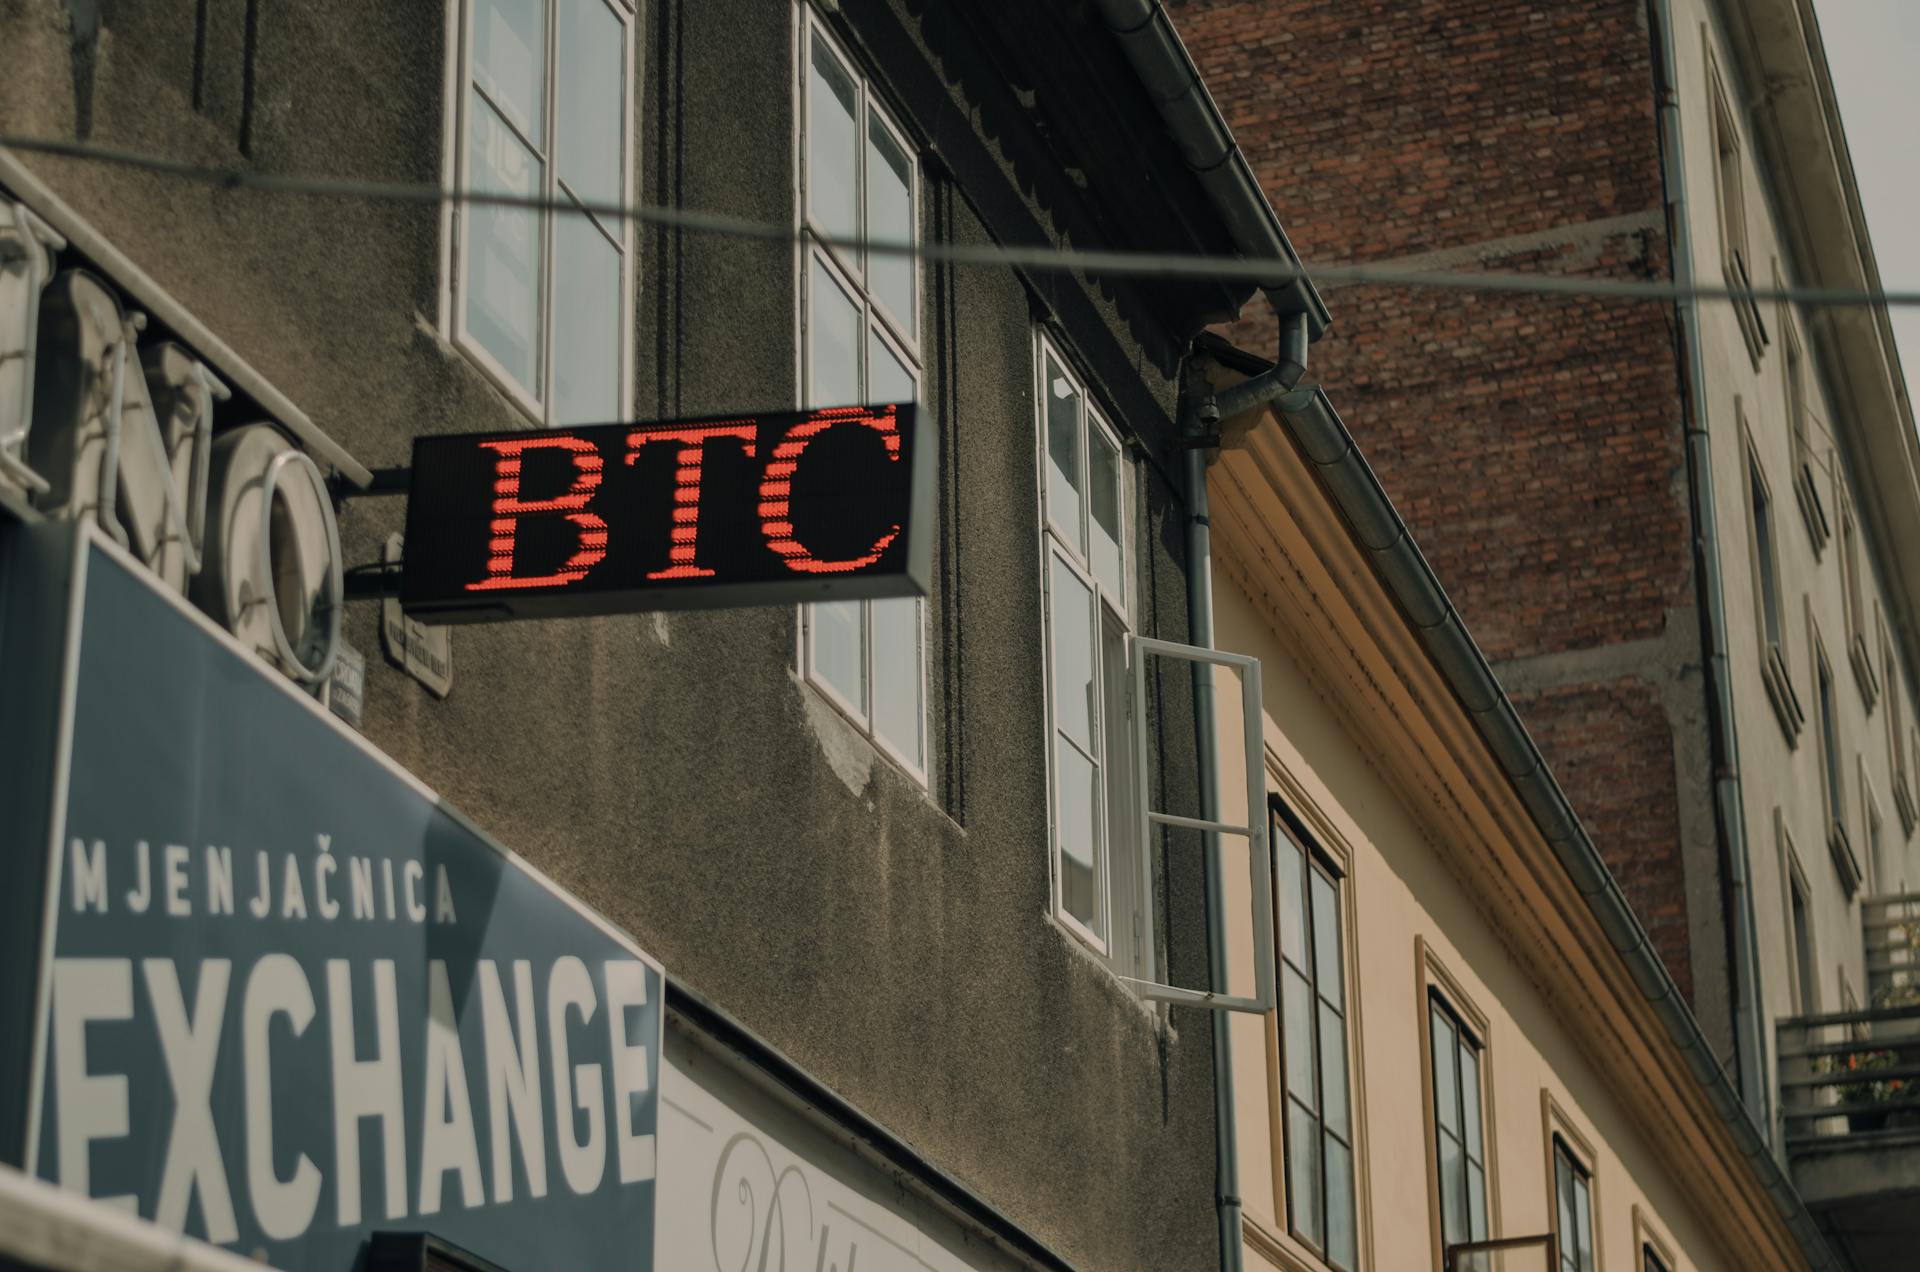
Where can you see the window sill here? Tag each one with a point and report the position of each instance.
(1753, 326)
(1812, 511)
(1077, 943)
(1844, 862)
(1280, 1250)
(1863, 670)
(850, 747)
(1786, 703)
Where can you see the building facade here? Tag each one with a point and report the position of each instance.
(878, 849)
(1477, 1060)
(1680, 531)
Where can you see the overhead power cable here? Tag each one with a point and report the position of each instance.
(1266, 273)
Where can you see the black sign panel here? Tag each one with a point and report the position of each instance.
(828, 504)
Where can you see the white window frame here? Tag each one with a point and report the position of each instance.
(1106, 606)
(535, 401)
(848, 273)
(1730, 199)
(1772, 647)
(1126, 847)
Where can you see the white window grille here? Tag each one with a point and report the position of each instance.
(542, 298)
(859, 343)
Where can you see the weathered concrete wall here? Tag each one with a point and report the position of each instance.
(676, 772)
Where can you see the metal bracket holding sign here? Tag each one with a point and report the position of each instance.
(767, 509)
(422, 651)
(1253, 830)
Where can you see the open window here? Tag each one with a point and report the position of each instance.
(1245, 821)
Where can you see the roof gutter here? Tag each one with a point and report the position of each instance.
(1318, 432)
(1206, 143)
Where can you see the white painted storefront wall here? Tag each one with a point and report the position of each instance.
(748, 1185)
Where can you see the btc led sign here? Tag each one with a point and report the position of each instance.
(749, 510)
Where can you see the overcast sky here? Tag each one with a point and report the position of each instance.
(1874, 49)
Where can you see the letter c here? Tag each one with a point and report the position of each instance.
(276, 986)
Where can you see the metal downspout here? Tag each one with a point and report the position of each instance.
(1226, 1146)
(1199, 427)
(1749, 1029)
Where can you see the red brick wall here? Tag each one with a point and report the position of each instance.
(1610, 747)
(1533, 445)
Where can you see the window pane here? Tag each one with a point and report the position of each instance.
(1296, 1001)
(1446, 1089)
(503, 266)
(1563, 1204)
(1303, 1173)
(1063, 454)
(509, 59)
(834, 338)
(839, 650)
(1477, 1203)
(1326, 938)
(586, 324)
(1333, 1070)
(887, 379)
(1470, 1100)
(591, 102)
(1341, 1240)
(897, 677)
(1583, 1225)
(890, 217)
(1103, 493)
(1079, 836)
(832, 146)
(1293, 911)
(1073, 680)
(1453, 1191)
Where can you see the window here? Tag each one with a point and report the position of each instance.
(1833, 790)
(1903, 792)
(1459, 1132)
(1085, 499)
(859, 344)
(1573, 1209)
(1856, 611)
(1730, 186)
(1876, 840)
(543, 300)
(1656, 1251)
(1313, 1049)
(1768, 611)
(1806, 489)
(1806, 986)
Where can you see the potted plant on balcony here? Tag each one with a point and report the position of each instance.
(1863, 1089)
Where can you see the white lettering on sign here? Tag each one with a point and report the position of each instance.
(187, 1045)
(90, 1106)
(592, 1116)
(513, 1080)
(407, 895)
(277, 987)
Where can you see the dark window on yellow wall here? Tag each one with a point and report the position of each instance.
(1573, 1209)
(1458, 1125)
(1313, 1049)
(1650, 1261)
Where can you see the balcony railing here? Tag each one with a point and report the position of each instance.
(1851, 1074)
(1891, 927)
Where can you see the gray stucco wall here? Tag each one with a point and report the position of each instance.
(676, 773)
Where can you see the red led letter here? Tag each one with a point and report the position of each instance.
(686, 487)
(509, 507)
(776, 487)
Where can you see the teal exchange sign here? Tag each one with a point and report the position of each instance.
(285, 997)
